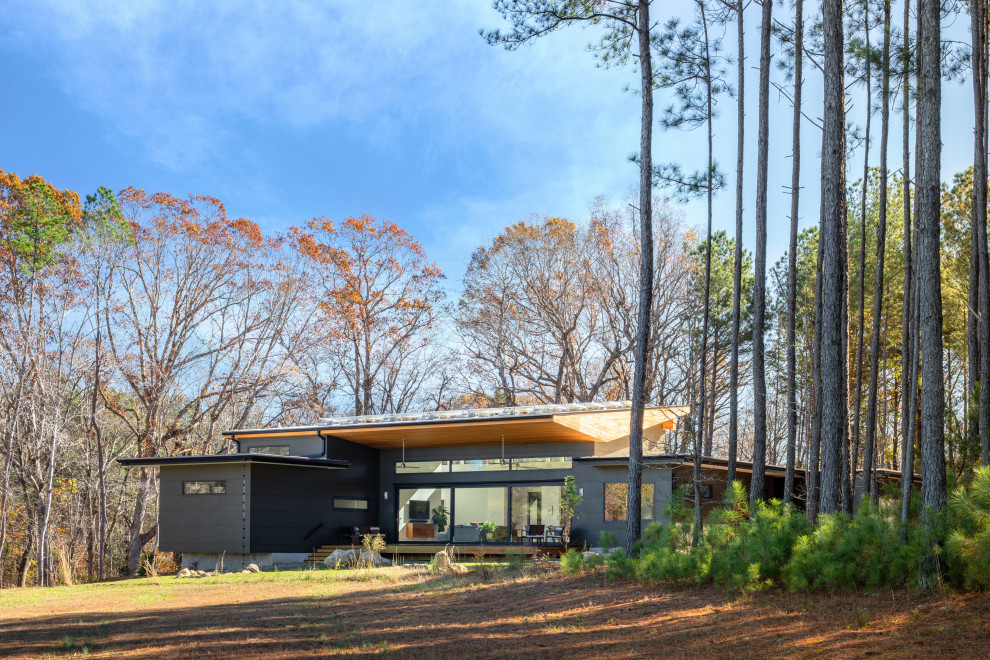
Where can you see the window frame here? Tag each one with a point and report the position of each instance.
(511, 464)
(185, 493)
(253, 450)
(707, 490)
(515, 459)
(409, 470)
(625, 518)
(482, 463)
(351, 498)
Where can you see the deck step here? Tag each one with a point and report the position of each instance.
(465, 551)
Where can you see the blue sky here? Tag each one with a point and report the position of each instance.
(289, 110)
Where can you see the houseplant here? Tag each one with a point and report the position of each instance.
(439, 517)
(488, 529)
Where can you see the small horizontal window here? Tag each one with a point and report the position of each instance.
(204, 487)
(542, 463)
(351, 503)
(422, 467)
(275, 450)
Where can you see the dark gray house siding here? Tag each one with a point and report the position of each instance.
(206, 523)
(591, 479)
(292, 508)
(268, 507)
(310, 445)
(281, 504)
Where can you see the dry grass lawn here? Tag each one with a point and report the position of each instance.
(399, 612)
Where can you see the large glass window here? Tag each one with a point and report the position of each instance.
(424, 514)
(481, 465)
(542, 463)
(421, 467)
(534, 505)
(616, 496)
(473, 506)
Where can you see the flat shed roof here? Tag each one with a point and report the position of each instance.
(523, 424)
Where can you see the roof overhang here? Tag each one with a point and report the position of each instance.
(583, 426)
(220, 459)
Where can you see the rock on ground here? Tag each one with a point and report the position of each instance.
(442, 560)
(355, 558)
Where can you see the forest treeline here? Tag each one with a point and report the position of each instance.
(137, 324)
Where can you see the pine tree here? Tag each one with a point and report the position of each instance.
(627, 34)
(689, 60)
(760, 290)
(929, 268)
(871, 398)
(792, 420)
(834, 400)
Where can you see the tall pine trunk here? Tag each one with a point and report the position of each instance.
(813, 471)
(645, 304)
(979, 281)
(909, 353)
(760, 274)
(706, 314)
(978, 28)
(737, 263)
(858, 402)
(833, 357)
(863, 485)
(928, 217)
(792, 257)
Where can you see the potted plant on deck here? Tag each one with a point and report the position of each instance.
(488, 530)
(439, 517)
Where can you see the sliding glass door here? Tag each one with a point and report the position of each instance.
(434, 514)
(534, 505)
(424, 514)
(476, 505)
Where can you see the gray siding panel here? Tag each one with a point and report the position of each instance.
(205, 523)
(288, 502)
(590, 520)
(310, 446)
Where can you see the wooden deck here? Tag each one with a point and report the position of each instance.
(426, 550)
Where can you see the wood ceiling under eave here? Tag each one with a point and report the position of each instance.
(591, 426)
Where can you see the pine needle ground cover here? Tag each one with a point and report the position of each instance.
(403, 613)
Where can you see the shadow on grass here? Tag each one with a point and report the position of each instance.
(330, 614)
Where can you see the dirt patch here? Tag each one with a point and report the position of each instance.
(402, 613)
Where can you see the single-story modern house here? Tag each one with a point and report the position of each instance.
(424, 479)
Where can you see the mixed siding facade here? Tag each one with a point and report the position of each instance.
(422, 479)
